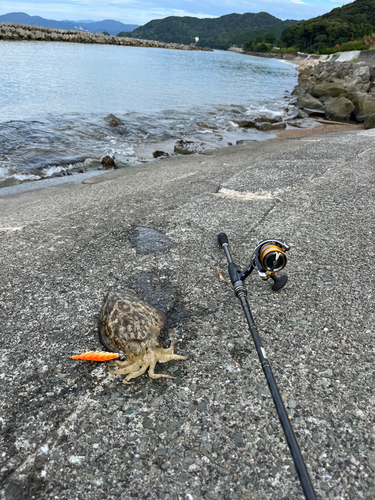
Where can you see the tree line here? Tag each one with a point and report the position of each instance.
(345, 28)
(349, 27)
(219, 33)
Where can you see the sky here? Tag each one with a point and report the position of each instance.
(141, 11)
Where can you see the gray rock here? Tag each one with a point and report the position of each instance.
(339, 109)
(330, 89)
(245, 123)
(369, 121)
(209, 126)
(11, 181)
(108, 162)
(364, 105)
(308, 101)
(267, 126)
(112, 120)
(299, 91)
(302, 114)
(270, 119)
(360, 77)
(159, 154)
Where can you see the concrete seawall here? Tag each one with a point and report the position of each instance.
(367, 56)
(9, 31)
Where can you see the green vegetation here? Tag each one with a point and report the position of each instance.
(345, 28)
(220, 33)
(261, 43)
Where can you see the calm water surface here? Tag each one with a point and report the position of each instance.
(54, 98)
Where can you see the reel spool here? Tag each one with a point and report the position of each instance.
(272, 258)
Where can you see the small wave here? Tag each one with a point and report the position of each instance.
(56, 169)
(77, 143)
(26, 177)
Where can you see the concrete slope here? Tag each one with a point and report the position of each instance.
(72, 430)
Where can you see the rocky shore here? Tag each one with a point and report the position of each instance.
(9, 31)
(338, 91)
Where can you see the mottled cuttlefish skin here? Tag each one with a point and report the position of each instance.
(133, 326)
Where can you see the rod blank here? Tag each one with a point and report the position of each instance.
(295, 451)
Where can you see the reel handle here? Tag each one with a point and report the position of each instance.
(279, 282)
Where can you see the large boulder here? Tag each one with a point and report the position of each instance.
(364, 106)
(339, 109)
(299, 90)
(369, 122)
(328, 89)
(360, 78)
(308, 101)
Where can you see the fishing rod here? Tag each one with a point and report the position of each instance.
(268, 258)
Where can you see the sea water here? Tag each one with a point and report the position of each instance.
(54, 98)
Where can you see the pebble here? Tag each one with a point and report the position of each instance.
(238, 441)
(202, 406)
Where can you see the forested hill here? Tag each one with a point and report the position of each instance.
(219, 33)
(340, 26)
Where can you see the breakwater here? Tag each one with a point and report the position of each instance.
(338, 91)
(10, 31)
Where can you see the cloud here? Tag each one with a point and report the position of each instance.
(142, 11)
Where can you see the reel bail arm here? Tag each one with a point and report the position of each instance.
(268, 258)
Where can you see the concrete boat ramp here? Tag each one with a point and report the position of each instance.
(70, 430)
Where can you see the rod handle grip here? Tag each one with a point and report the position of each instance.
(222, 238)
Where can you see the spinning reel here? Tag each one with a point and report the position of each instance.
(268, 258)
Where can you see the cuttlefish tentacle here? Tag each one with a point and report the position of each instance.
(170, 350)
(165, 355)
(128, 369)
(154, 375)
(136, 373)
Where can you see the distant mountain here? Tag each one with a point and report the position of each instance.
(219, 33)
(111, 27)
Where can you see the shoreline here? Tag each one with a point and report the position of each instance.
(292, 124)
(89, 176)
